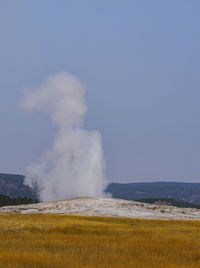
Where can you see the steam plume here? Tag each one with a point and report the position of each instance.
(74, 166)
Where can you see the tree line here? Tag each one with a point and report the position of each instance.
(6, 200)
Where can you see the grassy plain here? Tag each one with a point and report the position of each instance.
(41, 241)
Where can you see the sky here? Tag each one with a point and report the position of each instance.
(140, 62)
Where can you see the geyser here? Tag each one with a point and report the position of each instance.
(74, 165)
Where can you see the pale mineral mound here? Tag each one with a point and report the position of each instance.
(105, 207)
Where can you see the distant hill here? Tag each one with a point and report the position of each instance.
(12, 185)
(187, 192)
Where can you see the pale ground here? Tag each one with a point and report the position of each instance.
(106, 207)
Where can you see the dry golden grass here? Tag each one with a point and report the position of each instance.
(40, 241)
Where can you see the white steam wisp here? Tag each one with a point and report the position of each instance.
(74, 166)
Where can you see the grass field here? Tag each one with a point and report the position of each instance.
(41, 241)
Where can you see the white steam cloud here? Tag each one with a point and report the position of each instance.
(74, 166)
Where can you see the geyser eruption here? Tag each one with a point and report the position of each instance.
(74, 166)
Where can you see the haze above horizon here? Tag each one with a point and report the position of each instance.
(140, 62)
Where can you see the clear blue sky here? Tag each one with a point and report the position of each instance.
(141, 63)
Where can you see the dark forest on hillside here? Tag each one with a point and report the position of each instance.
(8, 201)
(12, 186)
